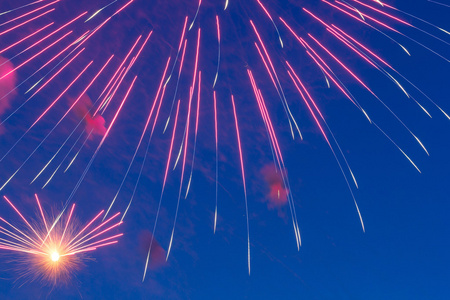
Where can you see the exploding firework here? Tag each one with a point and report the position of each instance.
(52, 250)
(230, 51)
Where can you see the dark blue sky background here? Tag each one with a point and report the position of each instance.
(402, 255)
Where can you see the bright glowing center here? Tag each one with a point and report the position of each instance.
(55, 256)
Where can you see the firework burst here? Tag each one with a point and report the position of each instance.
(53, 249)
(227, 50)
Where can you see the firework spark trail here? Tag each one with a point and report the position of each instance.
(439, 3)
(49, 107)
(365, 14)
(162, 189)
(400, 33)
(367, 58)
(386, 26)
(26, 22)
(326, 138)
(26, 37)
(150, 115)
(111, 92)
(78, 152)
(321, 116)
(69, 199)
(276, 152)
(243, 181)
(67, 112)
(216, 138)
(122, 74)
(116, 88)
(99, 11)
(218, 51)
(404, 22)
(20, 7)
(74, 243)
(183, 32)
(271, 19)
(348, 70)
(398, 73)
(47, 36)
(196, 14)
(26, 160)
(111, 87)
(370, 26)
(28, 13)
(48, 81)
(37, 54)
(196, 131)
(43, 66)
(366, 87)
(277, 85)
(148, 146)
(258, 96)
(371, 121)
(180, 69)
(417, 18)
(186, 138)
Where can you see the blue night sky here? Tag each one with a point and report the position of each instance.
(403, 253)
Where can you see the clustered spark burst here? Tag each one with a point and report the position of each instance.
(269, 72)
(52, 250)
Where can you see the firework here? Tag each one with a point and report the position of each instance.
(53, 249)
(205, 38)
